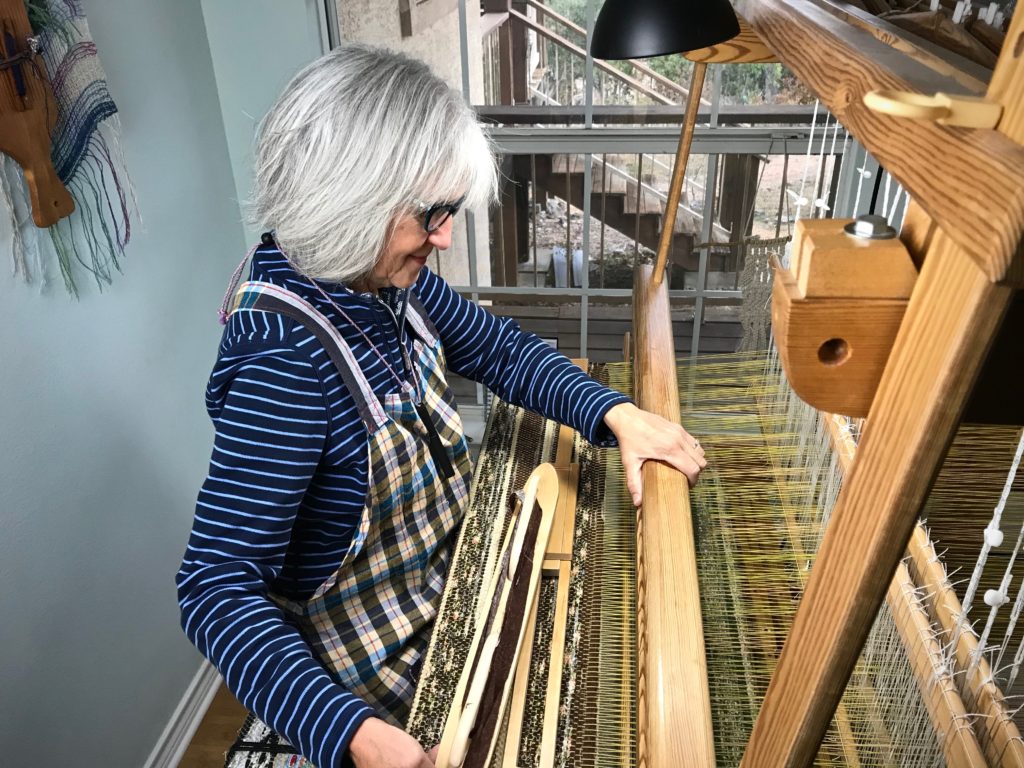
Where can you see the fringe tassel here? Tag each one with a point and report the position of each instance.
(64, 256)
(95, 236)
(18, 244)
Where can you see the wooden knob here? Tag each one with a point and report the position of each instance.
(961, 111)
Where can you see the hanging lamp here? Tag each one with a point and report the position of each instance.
(636, 29)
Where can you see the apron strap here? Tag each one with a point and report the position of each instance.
(267, 297)
(421, 324)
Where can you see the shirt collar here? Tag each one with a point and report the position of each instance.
(270, 265)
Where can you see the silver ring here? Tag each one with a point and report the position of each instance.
(696, 443)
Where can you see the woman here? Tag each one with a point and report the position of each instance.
(339, 470)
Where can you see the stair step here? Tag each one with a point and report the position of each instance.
(616, 185)
(619, 201)
(649, 203)
(560, 163)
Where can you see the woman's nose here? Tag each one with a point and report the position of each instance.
(441, 238)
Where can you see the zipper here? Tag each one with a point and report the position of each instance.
(406, 359)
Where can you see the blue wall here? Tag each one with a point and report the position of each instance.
(104, 435)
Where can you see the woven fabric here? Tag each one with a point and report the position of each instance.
(516, 442)
(258, 746)
(86, 155)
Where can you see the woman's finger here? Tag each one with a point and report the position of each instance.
(692, 444)
(696, 452)
(690, 462)
(633, 479)
(692, 472)
(679, 458)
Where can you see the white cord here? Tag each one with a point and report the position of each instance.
(801, 200)
(993, 537)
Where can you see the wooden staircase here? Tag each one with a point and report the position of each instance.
(637, 217)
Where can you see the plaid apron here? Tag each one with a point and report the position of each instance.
(370, 621)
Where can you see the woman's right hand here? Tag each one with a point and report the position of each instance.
(377, 744)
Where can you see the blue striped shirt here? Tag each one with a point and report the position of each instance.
(288, 478)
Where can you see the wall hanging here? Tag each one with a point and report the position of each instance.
(63, 180)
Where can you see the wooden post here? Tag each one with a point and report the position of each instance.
(941, 698)
(520, 75)
(668, 222)
(673, 701)
(507, 262)
(520, 198)
(505, 62)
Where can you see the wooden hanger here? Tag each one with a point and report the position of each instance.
(28, 113)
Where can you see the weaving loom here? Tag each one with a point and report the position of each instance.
(679, 660)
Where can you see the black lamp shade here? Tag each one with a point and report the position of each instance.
(635, 29)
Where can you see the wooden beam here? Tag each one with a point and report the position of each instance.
(1001, 738)
(745, 48)
(506, 259)
(520, 57)
(978, 200)
(939, 694)
(505, 64)
(673, 700)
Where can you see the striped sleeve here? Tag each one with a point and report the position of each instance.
(517, 366)
(269, 437)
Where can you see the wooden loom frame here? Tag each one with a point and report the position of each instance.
(963, 230)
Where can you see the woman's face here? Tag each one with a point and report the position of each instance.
(406, 253)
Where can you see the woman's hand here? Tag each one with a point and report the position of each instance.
(643, 435)
(377, 744)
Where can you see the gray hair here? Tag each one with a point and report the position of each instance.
(354, 141)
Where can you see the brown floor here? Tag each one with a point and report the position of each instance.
(216, 733)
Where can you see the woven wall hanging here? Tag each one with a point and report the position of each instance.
(63, 180)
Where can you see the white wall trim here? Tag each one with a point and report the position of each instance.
(173, 742)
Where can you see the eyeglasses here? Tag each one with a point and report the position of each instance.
(434, 216)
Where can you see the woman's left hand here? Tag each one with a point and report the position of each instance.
(643, 435)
